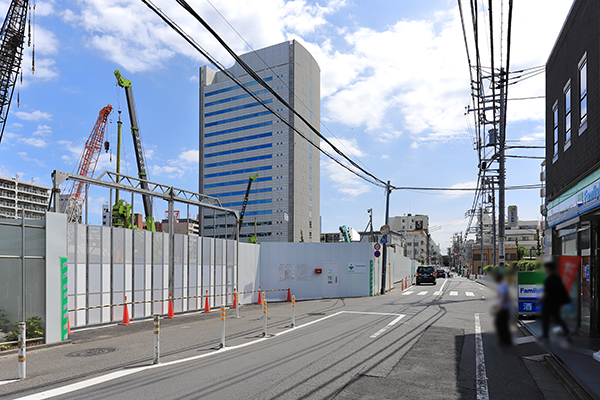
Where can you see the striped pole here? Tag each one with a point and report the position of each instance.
(156, 339)
(222, 327)
(22, 341)
(237, 306)
(293, 311)
(264, 301)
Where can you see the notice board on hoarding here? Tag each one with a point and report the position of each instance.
(530, 286)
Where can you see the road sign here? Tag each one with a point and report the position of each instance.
(385, 229)
(377, 253)
(513, 216)
(383, 239)
(377, 246)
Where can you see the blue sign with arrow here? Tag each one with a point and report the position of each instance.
(383, 239)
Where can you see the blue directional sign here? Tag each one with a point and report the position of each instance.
(383, 239)
(377, 253)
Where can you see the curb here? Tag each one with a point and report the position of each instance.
(33, 348)
(563, 373)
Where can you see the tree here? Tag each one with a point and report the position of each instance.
(520, 250)
(539, 245)
(301, 236)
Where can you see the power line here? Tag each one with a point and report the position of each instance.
(369, 178)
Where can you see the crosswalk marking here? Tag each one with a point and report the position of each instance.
(453, 293)
(422, 293)
(470, 294)
(437, 293)
(407, 293)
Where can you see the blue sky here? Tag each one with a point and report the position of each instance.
(394, 82)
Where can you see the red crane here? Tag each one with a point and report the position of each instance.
(87, 164)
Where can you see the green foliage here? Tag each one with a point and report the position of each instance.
(252, 239)
(33, 329)
(525, 265)
(538, 245)
(301, 236)
(521, 250)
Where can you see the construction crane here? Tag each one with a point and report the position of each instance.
(12, 38)
(87, 165)
(345, 235)
(243, 211)
(139, 154)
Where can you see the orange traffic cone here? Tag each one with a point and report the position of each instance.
(125, 314)
(259, 297)
(234, 298)
(206, 306)
(170, 314)
(402, 286)
(289, 298)
(68, 325)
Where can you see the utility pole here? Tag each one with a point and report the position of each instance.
(388, 191)
(502, 174)
(495, 252)
(481, 230)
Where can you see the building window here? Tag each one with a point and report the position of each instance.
(310, 224)
(310, 85)
(310, 106)
(567, 115)
(310, 203)
(310, 192)
(310, 181)
(310, 170)
(310, 95)
(309, 214)
(310, 149)
(583, 94)
(310, 235)
(555, 130)
(310, 117)
(310, 160)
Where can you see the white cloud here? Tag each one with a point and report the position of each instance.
(464, 185)
(191, 156)
(131, 35)
(343, 180)
(36, 142)
(25, 156)
(185, 163)
(42, 130)
(36, 115)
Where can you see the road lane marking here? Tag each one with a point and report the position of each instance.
(385, 328)
(453, 293)
(441, 290)
(470, 294)
(407, 293)
(422, 293)
(481, 375)
(9, 381)
(437, 293)
(122, 373)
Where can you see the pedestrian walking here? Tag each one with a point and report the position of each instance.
(554, 297)
(502, 311)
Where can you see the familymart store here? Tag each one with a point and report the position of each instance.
(574, 221)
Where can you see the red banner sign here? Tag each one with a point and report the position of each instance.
(567, 268)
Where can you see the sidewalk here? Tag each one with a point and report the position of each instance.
(576, 356)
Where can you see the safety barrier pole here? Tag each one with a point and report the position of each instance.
(237, 306)
(156, 339)
(22, 344)
(264, 301)
(293, 311)
(222, 327)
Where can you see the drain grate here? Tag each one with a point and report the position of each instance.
(91, 352)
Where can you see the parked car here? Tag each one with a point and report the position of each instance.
(440, 273)
(425, 274)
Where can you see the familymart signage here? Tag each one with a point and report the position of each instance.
(581, 198)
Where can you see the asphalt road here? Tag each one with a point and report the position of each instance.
(416, 344)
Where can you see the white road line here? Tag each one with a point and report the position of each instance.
(470, 294)
(441, 288)
(385, 328)
(119, 374)
(453, 293)
(422, 293)
(481, 375)
(9, 381)
(407, 293)
(437, 293)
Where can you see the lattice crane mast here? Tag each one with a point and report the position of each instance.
(12, 38)
(87, 164)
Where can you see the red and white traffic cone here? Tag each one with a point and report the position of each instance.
(125, 314)
(259, 296)
(206, 305)
(289, 296)
(170, 314)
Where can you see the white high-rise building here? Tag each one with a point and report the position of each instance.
(239, 138)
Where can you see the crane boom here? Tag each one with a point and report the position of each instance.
(137, 144)
(12, 38)
(87, 164)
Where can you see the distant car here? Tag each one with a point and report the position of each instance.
(425, 274)
(440, 273)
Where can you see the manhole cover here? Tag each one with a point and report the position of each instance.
(91, 352)
(316, 313)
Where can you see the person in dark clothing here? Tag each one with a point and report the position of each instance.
(502, 311)
(554, 297)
